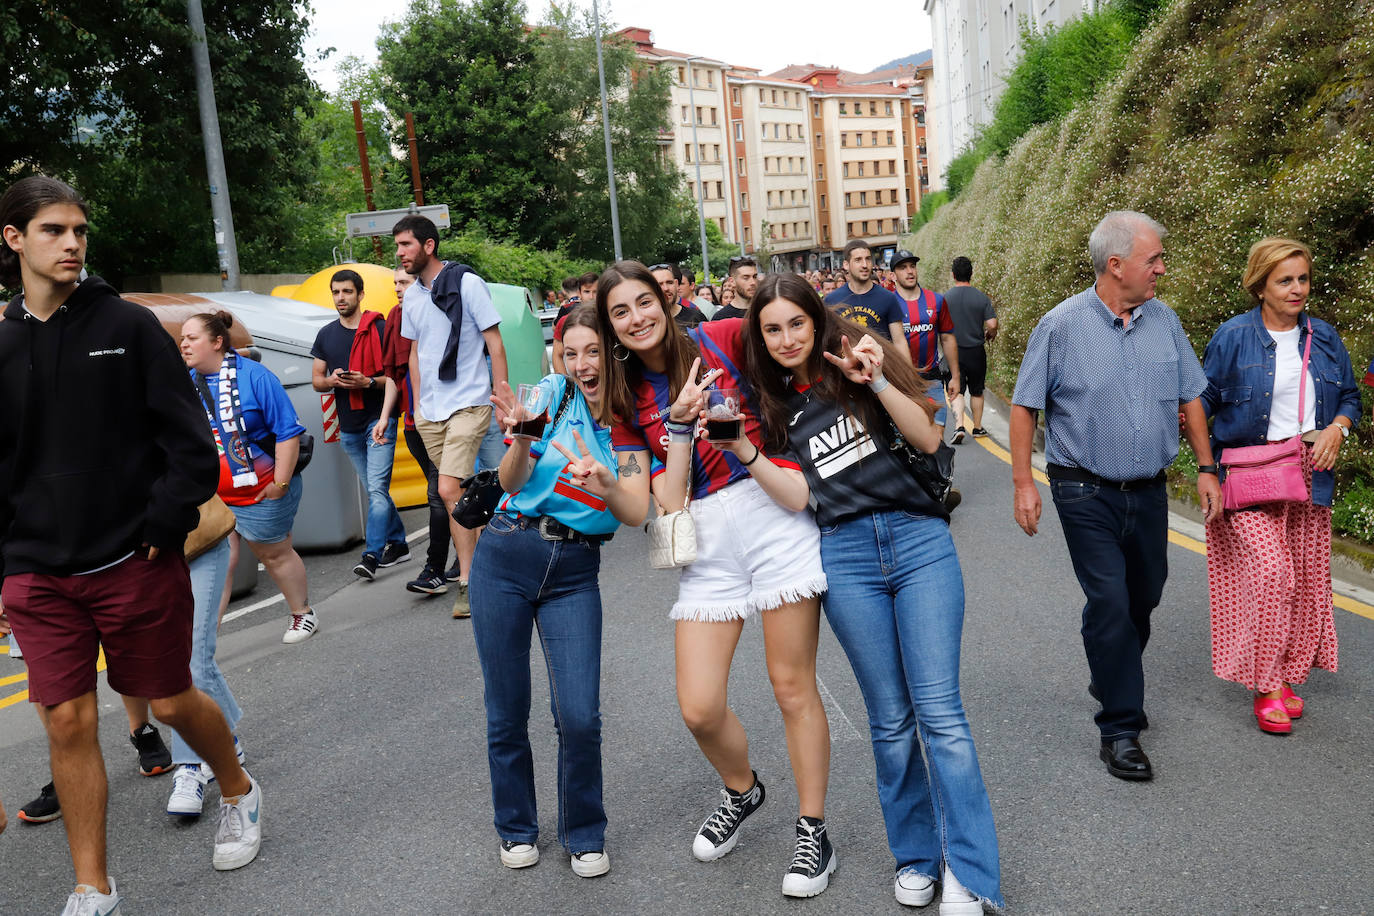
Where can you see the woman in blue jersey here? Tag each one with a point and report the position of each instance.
(753, 557)
(536, 566)
(258, 434)
(832, 398)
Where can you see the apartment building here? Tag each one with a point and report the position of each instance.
(774, 161)
(797, 163)
(976, 43)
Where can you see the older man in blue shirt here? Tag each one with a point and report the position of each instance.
(1110, 368)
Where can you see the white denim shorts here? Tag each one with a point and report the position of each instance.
(752, 555)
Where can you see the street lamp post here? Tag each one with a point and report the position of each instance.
(226, 248)
(606, 133)
(701, 207)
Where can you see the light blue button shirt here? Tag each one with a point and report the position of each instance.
(1110, 391)
(425, 323)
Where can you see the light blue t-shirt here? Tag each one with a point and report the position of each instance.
(549, 490)
(425, 323)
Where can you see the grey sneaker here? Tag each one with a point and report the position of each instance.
(461, 609)
(88, 901)
(239, 834)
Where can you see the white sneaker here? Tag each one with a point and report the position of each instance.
(238, 751)
(515, 854)
(188, 790)
(303, 626)
(591, 864)
(239, 835)
(91, 902)
(957, 900)
(913, 888)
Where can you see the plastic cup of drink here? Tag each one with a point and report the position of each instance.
(723, 410)
(532, 411)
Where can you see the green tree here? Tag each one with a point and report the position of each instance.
(657, 222)
(467, 72)
(102, 94)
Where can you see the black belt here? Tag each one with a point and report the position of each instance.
(1065, 472)
(551, 529)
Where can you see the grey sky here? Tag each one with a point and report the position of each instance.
(768, 34)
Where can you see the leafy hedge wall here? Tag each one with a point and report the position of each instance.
(1232, 120)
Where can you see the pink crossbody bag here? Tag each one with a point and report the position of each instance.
(1270, 473)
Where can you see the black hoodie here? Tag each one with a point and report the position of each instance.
(104, 445)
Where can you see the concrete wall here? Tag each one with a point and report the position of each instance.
(200, 283)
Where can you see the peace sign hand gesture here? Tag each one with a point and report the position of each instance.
(860, 363)
(504, 401)
(691, 400)
(585, 471)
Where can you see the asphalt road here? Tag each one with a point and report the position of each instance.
(369, 742)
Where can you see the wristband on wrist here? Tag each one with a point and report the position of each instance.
(757, 452)
(674, 426)
(684, 437)
(1208, 469)
(878, 385)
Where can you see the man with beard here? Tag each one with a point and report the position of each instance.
(864, 302)
(348, 361)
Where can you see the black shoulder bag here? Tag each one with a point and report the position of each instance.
(933, 472)
(482, 491)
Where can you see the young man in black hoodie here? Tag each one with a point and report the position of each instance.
(105, 453)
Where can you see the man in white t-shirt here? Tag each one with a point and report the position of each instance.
(449, 315)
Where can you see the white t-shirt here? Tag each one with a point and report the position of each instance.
(1283, 413)
(426, 324)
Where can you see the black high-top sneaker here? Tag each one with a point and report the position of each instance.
(720, 833)
(813, 861)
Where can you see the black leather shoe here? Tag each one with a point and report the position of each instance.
(1125, 759)
(1096, 694)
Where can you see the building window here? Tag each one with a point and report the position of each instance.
(844, 139)
(801, 164)
(761, 96)
(873, 108)
(845, 169)
(684, 114)
(711, 79)
(890, 140)
(691, 189)
(887, 108)
(892, 166)
(713, 121)
(774, 95)
(863, 198)
(701, 151)
(806, 227)
(763, 131)
(815, 109)
(794, 196)
(877, 167)
(789, 131)
(846, 199)
(818, 141)
(820, 171)
(861, 170)
(822, 201)
(770, 198)
(734, 94)
(739, 131)
(699, 118)
(739, 165)
(720, 194)
(825, 233)
(687, 151)
(681, 78)
(715, 152)
(849, 228)
(748, 239)
(842, 109)
(784, 230)
(875, 138)
(803, 195)
(858, 138)
(864, 228)
(775, 132)
(744, 200)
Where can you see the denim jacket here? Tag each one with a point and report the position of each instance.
(1239, 362)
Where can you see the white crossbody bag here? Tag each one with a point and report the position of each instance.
(673, 536)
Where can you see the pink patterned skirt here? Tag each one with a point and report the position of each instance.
(1269, 576)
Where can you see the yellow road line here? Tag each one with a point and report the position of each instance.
(1344, 602)
(23, 695)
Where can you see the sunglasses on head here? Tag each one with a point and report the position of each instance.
(660, 267)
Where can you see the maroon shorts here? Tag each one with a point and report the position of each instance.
(140, 611)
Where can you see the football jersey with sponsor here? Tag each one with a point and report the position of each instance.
(712, 469)
(927, 318)
(549, 490)
(852, 471)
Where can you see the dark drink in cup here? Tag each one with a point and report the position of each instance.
(532, 428)
(723, 430)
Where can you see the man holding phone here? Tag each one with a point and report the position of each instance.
(348, 361)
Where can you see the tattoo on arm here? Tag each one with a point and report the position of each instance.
(630, 467)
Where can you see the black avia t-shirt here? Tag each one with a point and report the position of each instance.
(851, 471)
(332, 344)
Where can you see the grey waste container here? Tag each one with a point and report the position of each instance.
(332, 512)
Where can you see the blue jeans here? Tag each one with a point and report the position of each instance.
(493, 447)
(208, 574)
(520, 582)
(372, 463)
(936, 392)
(896, 604)
(1119, 544)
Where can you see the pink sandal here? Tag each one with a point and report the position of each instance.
(1266, 706)
(1292, 703)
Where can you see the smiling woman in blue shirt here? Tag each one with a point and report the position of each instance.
(1269, 566)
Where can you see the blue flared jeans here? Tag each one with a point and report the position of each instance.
(209, 573)
(520, 584)
(896, 604)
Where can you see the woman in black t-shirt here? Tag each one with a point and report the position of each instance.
(833, 395)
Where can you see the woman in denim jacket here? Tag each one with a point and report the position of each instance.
(1269, 566)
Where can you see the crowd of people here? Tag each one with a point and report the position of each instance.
(778, 425)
